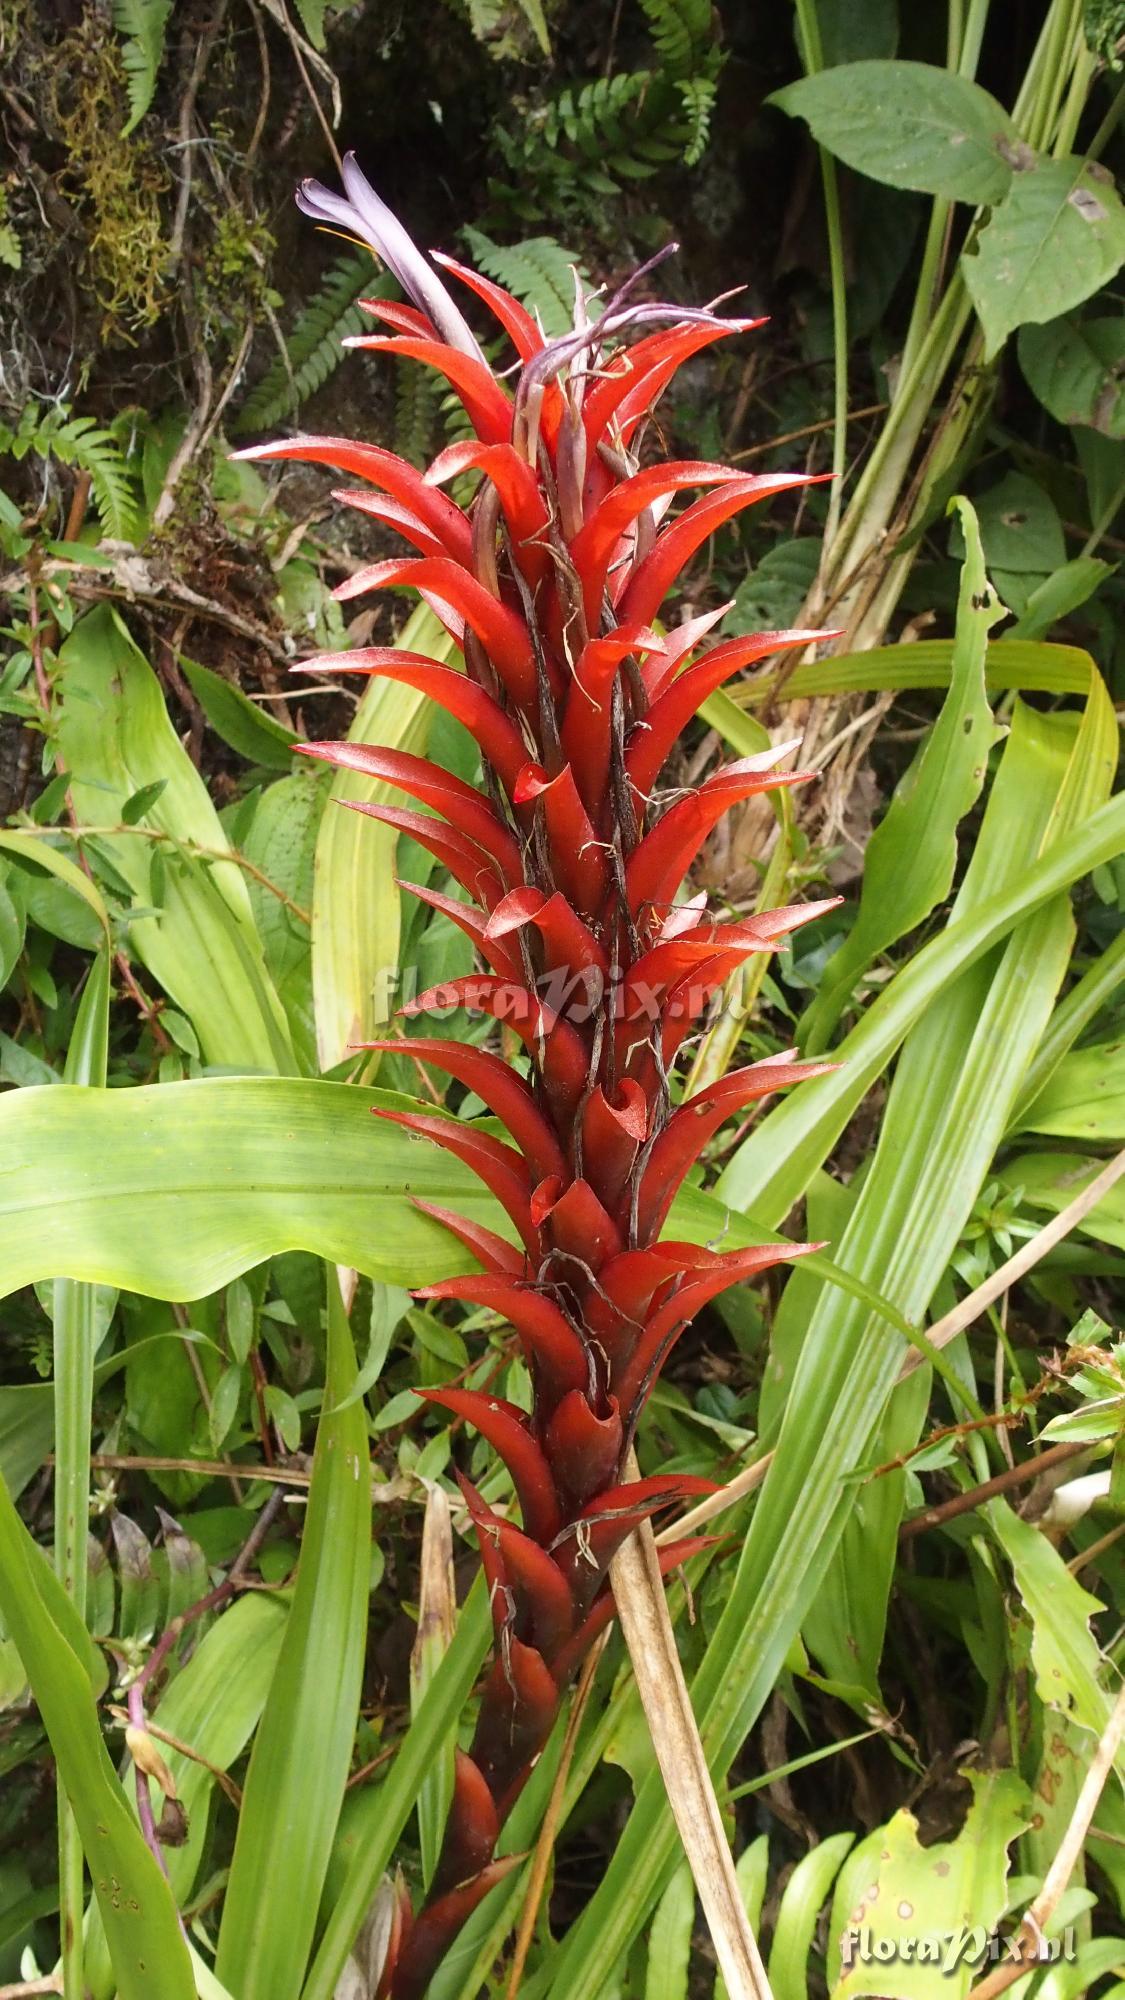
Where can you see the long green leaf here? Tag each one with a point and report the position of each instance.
(437, 1713)
(1084, 1099)
(1023, 665)
(37, 850)
(302, 1749)
(1085, 1000)
(802, 1132)
(74, 1317)
(805, 1892)
(146, 1945)
(911, 856)
(958, 1074)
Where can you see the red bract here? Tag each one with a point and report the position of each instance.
(549, 582)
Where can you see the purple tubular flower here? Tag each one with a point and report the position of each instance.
(365, 215)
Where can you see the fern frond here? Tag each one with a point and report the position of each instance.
(314, 346)
(143, 24)
(539, 271)
(697, 94)
(82, 442)
(683, 32)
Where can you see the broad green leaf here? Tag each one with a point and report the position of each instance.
(355, 916)
(1052, 1181)
(669, 1943)
(187, 1158)
(773, 593)
(243, 724)
(911, 856)
(909, 125)
(175, 1189)
(802, 1132)
(141, 1924)
(893, 1889)
(302, 1748)
(1055, 240)
(1023, 539)
(805, 1893)
(1020, 528)
(1085, 1097)
(1075, 368)
(116, 738)
(1063, 1650)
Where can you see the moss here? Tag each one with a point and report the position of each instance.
(116, 182)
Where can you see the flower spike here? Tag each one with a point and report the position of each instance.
(551, 582)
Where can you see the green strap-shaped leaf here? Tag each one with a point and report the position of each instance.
(1085, 1098)
(911, 856)
(669, 1944)
(145, 1941)
(770, 1171)
(845, 1377)
(1026, 665)
(75, 1327)
(805, 1892)
(303, 1746)
(1064, 1652)
(438, 1711)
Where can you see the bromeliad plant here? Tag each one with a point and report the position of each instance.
(570, 858)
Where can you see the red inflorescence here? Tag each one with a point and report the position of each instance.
(550, 582)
